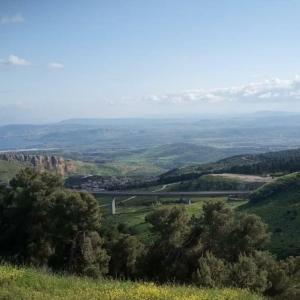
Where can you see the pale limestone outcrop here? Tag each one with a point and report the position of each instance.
(42, 162)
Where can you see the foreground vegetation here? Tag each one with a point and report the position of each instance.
(29, 284)
(131, 211)
(47, 226)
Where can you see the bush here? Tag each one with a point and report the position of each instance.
(211, 272)
(246, 274)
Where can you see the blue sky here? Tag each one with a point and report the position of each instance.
(136, 58)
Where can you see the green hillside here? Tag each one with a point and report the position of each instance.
(131, 211)
(278, 204)
(222, 182)
(277, 163)
(9, 169)
(29, 284)
(179, 154)
(148, 161)
(117, 168)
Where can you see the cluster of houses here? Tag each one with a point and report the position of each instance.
(94, 183)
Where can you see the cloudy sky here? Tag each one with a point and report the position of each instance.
(158, 58)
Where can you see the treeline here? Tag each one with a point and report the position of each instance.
(214, 183)
(272, 162)
(269, 166)
(287, 161)
(45, 225)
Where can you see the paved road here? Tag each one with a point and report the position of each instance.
(133, 197)
(161, 189)
(199, 194)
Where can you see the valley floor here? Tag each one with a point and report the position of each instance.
(132, 211)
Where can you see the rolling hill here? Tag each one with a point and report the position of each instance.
(222, 182)
(276, 163)
(180, 154)
(250, 133)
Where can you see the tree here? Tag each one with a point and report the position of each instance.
(126, 254)
(74, 227)
(87, 256)
(248, 234)
(46, 225)
(23, 220)
(164, 260)
(169, 224)
(210, 231)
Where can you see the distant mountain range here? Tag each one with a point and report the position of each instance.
(263, 131)
(153, 146)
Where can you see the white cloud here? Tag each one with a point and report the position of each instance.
(17, 18)
(55, 65)
(14, 60)
(262, 91)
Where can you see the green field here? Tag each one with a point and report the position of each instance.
(132, 212)
(30, 284)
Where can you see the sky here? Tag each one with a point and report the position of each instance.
(137, 58)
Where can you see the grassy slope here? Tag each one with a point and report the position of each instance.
(278, 204)
(30, 284)
(117, 168)
(9, 169)
(178, 154)
(211, 182)
(133, 212)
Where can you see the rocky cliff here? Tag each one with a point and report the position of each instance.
(42, 162)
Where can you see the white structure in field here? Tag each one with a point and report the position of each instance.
(113, 206)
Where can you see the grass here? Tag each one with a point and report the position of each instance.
(8, 169)
(282, 214)
(133, 212)
(30, 284)
(118, 168)
(278, 204)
